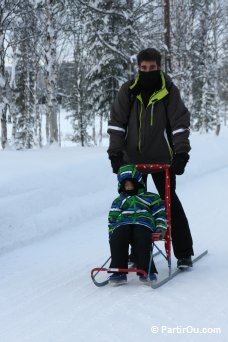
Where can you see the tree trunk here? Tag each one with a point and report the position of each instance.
(51, 70)
(94, 130)
(3, 129)
(217, 131)
(167, 35)
(3, 101)
(101, 129)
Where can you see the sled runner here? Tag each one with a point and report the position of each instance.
(155, 239)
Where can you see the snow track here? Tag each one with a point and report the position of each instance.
(46, 293)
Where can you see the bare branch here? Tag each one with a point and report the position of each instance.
(10, 12)
(125, 57)
(102, 11)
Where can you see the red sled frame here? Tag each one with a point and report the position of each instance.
(155, 237)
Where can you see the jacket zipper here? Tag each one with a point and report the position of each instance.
(152, 114)
(140, 126)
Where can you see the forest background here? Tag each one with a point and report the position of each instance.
(72, 56)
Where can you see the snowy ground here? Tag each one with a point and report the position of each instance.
(53, 231)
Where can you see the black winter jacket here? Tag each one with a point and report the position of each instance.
(141, 133)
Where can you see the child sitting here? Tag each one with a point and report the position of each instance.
(134, 215)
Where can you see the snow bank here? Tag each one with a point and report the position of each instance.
(45, 191)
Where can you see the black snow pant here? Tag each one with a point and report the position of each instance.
(181, 235)
(140, 239)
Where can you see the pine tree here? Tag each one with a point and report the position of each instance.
(182, 38)
(113, 41)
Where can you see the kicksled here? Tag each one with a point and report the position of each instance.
(155, 238)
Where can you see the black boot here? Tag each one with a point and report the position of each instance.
(184, 263)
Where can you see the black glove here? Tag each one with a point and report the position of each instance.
(116, 162)
(179, 162)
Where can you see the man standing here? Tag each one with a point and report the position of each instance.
(149, 124)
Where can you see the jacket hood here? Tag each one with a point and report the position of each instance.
(129, 172)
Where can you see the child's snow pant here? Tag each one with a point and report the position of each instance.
(139, 237)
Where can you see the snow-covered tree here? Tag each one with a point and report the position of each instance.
(26, 57)
(76, 83)
(182, 37)
(196, 28)
(84, 50)
(205, 71)
(113, 41)
(51, 10)
(3, 100)
(8, 10)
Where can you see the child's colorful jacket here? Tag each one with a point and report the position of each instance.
(144, 208)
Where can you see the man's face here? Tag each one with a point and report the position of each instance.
(148, 66)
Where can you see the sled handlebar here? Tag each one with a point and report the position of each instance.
(152, 166)
(166, 168)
